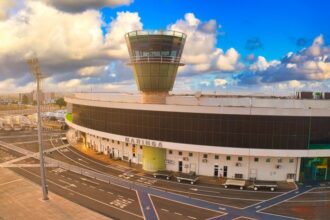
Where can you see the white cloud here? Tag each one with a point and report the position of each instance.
(82, 5)
(309, 64)
(200, 52)
(5, 6)
(92, 70)
(220, 82)
(71, 45)
(115, 41)
(262, 64)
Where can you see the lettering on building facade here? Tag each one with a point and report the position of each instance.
(144, 142)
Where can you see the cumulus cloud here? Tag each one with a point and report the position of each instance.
(309, 64)
(220, 82)
(200, 53)
(67, 45)
(5, 6)
(115, 41)
(82, 5)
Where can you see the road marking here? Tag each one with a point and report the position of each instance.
(165, 210)
(244, 218)
(69, 184)
(177, 213)
(87, 180)
(93, 187)
(257, 207)
(191, 217)
(2, 184)
(110, 193)
(82, 160)
(101, 190)
(222, 208)
(318, 200)
(70, 190)
(187, 204)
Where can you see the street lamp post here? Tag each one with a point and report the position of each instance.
(35, 69)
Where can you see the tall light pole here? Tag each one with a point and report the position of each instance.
(35, 69)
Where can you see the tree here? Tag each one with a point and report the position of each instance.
(25, 100)
(60, 102)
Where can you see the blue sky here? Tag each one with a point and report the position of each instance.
(278, 24)
(252, 45)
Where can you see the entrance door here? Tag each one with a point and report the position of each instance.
(216, 170)
(180, 166)
(193, 167)
(225, 170)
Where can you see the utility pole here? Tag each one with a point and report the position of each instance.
(33, 63)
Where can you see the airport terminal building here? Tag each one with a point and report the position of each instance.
(233, 136)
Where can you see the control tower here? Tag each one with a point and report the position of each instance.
(155, 58)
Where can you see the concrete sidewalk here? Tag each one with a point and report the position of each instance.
(21, 199)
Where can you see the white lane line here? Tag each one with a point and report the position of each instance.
(69, 184)
(83, 160)
(187, 204)
(90, 181)
(110, 193)
(319, 200)
(2, 184)
(177, 213)
(244, 218)
(165, 210)
(88, 197)
(101, 190)
(153, 206)
(191, 217)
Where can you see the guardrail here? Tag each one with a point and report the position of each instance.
(154, 59)
(167, 32)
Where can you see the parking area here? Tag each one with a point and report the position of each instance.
(310, 205)
(168, 209)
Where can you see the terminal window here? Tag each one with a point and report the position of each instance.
(268, 160)
(240, 158)
(170, 152)
(228, 158)
(256, 159)
(190, 154)
(180, 153)
(205, 156)
(216, 157)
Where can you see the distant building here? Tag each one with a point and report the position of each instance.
(45, 97)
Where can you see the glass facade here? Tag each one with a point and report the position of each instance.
(155, 58)
(244, 131)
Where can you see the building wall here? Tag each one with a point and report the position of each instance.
(261, 170)
(237, 131)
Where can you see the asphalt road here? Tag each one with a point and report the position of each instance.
(168, 209)
(119, 202)
(108, 199)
